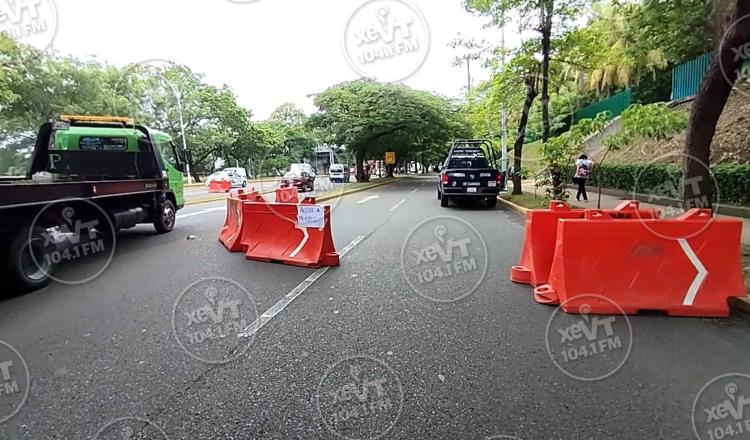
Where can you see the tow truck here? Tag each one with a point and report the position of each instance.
(87, 178)
(470, 172)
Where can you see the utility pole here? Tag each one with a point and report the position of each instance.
(468, 75)
(178, 95)
(504, 114)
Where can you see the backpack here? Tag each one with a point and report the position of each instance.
(583, 170)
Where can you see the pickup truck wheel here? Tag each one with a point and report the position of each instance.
(444, 201)
(27, 272)
(492, 202)
(166, 220)
(440, 195)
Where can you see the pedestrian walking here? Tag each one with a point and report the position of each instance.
(583, 168)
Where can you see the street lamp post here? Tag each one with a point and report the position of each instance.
(182, 124)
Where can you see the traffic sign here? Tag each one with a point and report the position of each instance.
(390, 157)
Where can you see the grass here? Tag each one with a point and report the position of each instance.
(527, 200)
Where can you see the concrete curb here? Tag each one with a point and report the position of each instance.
(512, 205)
(318, 199)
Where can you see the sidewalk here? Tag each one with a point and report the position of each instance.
(610, 202)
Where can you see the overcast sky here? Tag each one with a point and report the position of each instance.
(275, 51)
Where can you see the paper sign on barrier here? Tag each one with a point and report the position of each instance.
(310, 216)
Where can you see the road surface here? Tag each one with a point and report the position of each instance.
(368, 349)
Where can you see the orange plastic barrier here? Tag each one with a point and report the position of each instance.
(541, 231)
(230, 233)
(215, 186)
(268, 231)
(635, 264)
(287, 194)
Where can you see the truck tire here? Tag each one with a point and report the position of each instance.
(166, 220)
(26, 274)
(440, 195)
(444, 201)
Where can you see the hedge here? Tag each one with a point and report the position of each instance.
(664, 180)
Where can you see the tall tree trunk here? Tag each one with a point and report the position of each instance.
(531, 93)
(719, 19)
(360, 164)
(708, 106)
(546, 10)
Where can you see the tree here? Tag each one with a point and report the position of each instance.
(369, 118)
(709, 104)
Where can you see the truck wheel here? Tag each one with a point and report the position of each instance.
(440, 195)
(444, 201)
(27, 273)
(492, 202)
(166, 220)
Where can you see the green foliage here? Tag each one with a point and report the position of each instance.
(652, 121)
(369, 118)
(665, 180)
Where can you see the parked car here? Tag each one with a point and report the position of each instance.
(304, 181)
(338, 173)
(235, 179)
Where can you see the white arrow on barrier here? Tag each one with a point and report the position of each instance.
(699, 277)
(301, 243)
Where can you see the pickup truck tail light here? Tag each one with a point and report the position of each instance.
(500, 179)
(444, 178)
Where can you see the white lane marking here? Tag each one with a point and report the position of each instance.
(280, 305)
(699, 277)
(397, 205)
(205, 211)
(414, 190)
(367, 199)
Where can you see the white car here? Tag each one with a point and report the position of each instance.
(338, 173)
(224, 175)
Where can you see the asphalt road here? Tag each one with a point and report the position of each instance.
(418, 334)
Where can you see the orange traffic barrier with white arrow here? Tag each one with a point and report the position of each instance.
(294, 234)
(687, 266)
(541, 232)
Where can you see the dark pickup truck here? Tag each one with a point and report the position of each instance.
(470, 172)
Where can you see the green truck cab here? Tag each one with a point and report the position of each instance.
(126, 140)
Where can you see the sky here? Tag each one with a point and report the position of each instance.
(275, 51)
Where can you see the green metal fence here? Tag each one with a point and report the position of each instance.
(615, 104)
(687, 77)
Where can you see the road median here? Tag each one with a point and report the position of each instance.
(322, 198)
